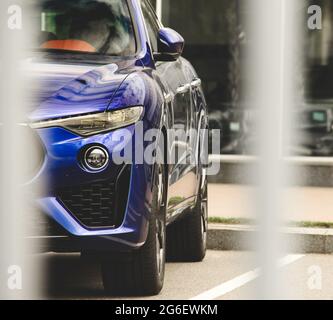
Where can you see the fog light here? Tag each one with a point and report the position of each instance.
(96, 158)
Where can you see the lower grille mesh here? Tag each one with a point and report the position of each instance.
(39, 224)
(100, 204)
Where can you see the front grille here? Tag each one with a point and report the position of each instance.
(37, 223)
(34, 152)
(30, 151)
(99, 204)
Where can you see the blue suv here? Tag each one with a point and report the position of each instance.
(109, 75)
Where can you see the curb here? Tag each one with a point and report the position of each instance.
(308, 171)
(297, 240)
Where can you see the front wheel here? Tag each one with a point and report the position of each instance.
(142, 271)
(187, 238)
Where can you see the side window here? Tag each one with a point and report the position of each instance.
(151, 23)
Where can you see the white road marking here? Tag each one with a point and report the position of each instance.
(243, 279)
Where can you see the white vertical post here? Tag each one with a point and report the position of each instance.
(43, 22)
(19, 277)
(270, 90)
(159, 9)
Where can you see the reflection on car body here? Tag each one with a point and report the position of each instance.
(102, 67)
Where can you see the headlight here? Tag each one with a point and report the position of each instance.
(95, 123)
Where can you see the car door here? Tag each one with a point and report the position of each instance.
(182, 180)
(194, 83)
(198, 104)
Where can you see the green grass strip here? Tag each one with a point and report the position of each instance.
(243, 221)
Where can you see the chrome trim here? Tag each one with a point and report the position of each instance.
(90, 168)
(183, 89)
(168, 97)
(196, 83)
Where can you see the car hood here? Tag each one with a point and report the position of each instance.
(62, 90)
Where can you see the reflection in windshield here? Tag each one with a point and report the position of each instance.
(89, 26)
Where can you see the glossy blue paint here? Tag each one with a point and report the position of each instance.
(63, 92)
(70, 87)
(171, 42)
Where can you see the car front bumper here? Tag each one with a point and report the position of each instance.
(62, 169)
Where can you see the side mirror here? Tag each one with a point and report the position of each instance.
(170, 45)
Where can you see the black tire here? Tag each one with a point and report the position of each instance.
(187, 238)
(141, 272)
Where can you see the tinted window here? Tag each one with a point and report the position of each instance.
(95, 26)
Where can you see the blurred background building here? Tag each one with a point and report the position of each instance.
(216, 40)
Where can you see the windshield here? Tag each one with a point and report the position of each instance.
(86, 26)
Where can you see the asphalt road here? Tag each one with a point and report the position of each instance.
(223, 275)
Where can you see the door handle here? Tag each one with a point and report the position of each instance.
(183, 89)
(167, 97)
(196, 83)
